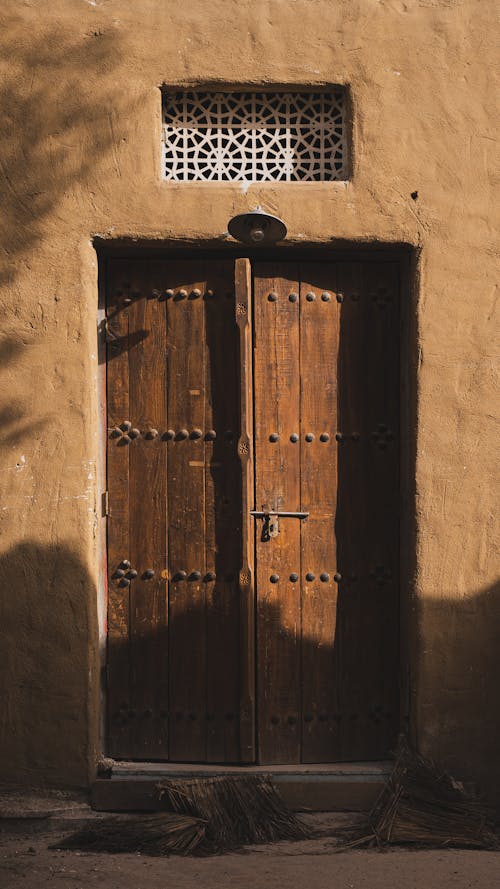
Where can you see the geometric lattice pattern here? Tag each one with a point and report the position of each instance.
(254, 137)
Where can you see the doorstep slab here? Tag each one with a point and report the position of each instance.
(338, 787)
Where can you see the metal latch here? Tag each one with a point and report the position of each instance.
(270, 526)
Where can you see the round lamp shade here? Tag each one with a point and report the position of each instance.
(257, 227)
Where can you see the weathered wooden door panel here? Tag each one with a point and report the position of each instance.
(368, 518)
(138, 640)
(187, 640)
(326, 423)
(175, 510)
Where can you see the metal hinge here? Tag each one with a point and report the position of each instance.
(105, 503)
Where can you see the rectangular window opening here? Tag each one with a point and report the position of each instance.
(254, 136)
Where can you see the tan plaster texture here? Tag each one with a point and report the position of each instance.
(80, 156)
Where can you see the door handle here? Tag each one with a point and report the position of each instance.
(282, 515)
(271, 526)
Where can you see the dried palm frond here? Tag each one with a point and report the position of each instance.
(238, 810)
(423, 804)
(206, 815)
(161, 834)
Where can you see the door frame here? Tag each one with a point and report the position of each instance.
(408, 259)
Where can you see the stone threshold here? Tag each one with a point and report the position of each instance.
(315, 787)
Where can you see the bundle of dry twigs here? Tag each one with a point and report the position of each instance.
(238, 810)
(422, 804)
(161, 834)
(206, 815)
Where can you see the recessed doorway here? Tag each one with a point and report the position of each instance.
(253, 528)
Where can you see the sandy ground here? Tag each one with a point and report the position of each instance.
(26, 861)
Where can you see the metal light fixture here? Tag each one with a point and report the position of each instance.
(257, 227)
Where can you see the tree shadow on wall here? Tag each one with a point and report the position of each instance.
(48, 633)
(457, 685)
(60, 105)
(15, 424)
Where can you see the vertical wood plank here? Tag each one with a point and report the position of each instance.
(319, 338)
(243, 310)
(223, 516)
(186, 512)
(353, 522)
(277, 468)
(118, 688)
(148, 532)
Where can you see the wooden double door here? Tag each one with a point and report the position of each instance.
(238, 392)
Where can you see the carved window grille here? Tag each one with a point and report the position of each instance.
(254, 137)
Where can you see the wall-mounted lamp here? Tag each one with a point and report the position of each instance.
(257, 227)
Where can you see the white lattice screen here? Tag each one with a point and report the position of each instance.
(254, 137)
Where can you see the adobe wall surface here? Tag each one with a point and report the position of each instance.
(81, 157)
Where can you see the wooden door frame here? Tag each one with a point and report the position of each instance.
(408, 258)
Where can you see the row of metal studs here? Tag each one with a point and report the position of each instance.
(310, 297)
(125, 712)
(126, 430)
(309, 436)
(161, 295)
(129, 713)
(125, 576)
(379, 574)
(324, 577)
(381, 296)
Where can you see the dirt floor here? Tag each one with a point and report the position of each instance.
(27, 829)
